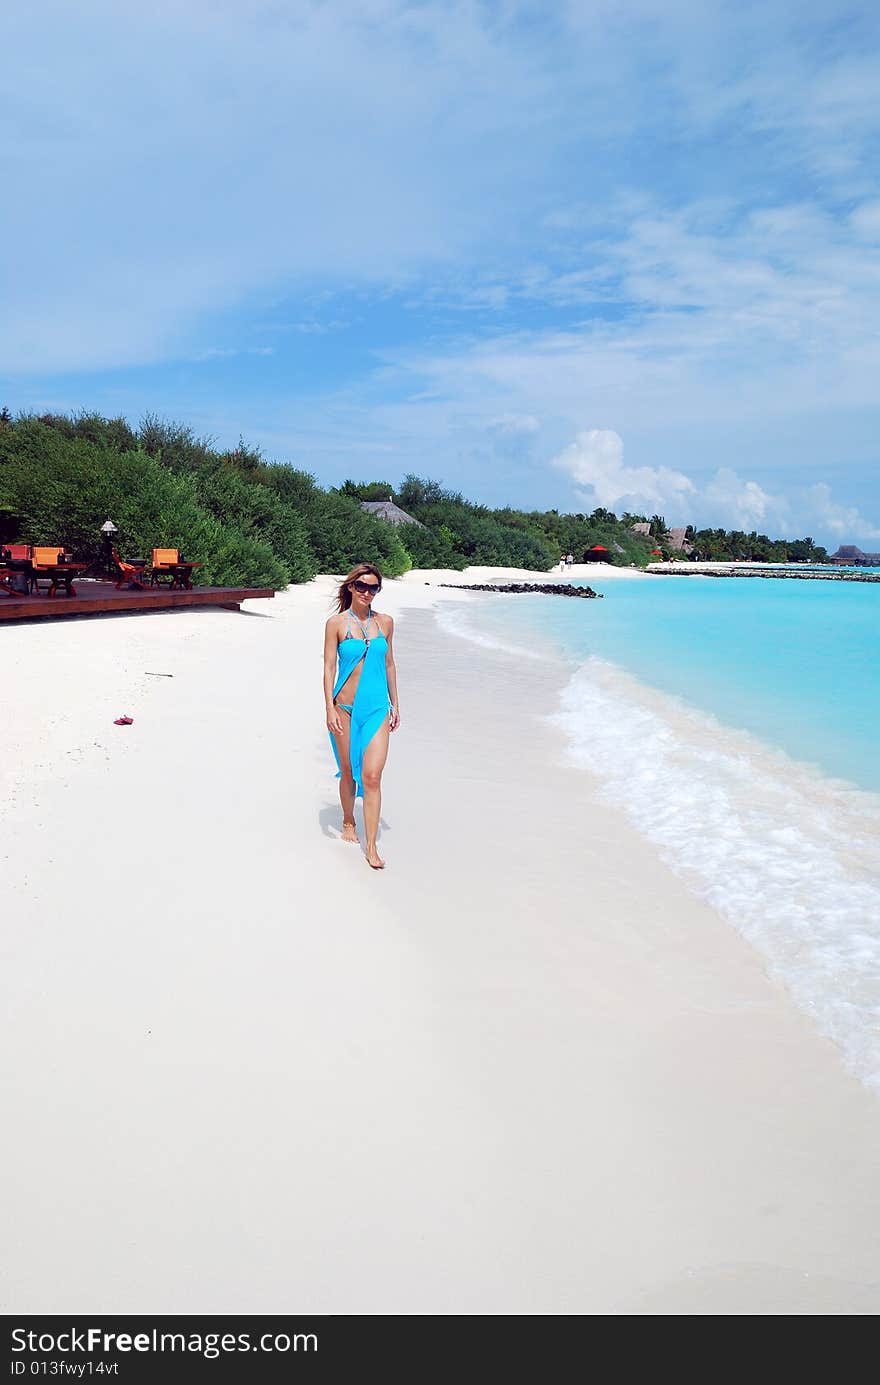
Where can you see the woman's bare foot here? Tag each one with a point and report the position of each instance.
(374, 859)
(350, 833)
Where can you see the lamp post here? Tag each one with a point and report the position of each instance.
(108, 529)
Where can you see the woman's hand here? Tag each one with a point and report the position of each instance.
(334, 720)
(395, 719)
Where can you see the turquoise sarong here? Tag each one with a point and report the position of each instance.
(371, 700)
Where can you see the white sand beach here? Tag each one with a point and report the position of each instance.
(521, 1071)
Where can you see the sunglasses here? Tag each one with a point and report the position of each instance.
(367, 587)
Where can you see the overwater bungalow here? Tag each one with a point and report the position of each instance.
(848, 555)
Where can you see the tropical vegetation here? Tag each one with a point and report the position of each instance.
(251, 522)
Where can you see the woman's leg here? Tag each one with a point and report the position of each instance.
(346, 780)
(375, 756)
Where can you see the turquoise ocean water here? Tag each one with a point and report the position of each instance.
(735, 722)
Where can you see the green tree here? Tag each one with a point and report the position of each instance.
(245, 457)
(367, 490)
(340, 533)
(174, 443)
(62, 488)
(258, 511)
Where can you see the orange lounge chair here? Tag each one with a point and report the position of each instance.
(170, 562)
(164, 563)
(44, 558)
(16, 569)
(128, 572)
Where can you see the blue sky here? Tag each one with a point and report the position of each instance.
(610, 252)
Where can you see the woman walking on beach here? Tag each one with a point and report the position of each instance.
(361, 698)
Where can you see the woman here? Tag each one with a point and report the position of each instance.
(361, 699)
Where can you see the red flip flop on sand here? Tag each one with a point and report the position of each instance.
(123, 721)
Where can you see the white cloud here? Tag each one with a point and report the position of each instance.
(843, 521)
(595, 461)
(745, 504)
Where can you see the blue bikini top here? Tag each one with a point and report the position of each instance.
(364, 638)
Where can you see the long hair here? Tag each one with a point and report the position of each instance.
(343, 596)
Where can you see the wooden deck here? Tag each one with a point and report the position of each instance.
(100, 598)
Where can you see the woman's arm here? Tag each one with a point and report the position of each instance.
(334, 720)
(391, 673)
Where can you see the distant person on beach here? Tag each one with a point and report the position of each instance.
(569, 559)
(360, 691)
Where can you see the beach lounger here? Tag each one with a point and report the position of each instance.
(164, 563)
(168, 562)
(56, 566)
(16, 569)
(129, 572)
(44, 559)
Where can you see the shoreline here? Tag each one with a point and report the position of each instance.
(524, 1070)
(754, 827)
(450, 577)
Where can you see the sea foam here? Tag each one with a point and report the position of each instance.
(788, 856)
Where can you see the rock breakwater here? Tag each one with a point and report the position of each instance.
(544, 588)
(697, 571)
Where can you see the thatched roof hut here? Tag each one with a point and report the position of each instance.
(677, 541)
(387, 510)
(848, 553)
(850, 556)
